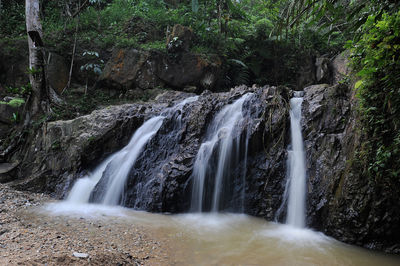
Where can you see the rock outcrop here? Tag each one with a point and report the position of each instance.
(62, 149)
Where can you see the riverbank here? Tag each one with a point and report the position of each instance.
(29, 239)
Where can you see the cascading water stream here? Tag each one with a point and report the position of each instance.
(220, 147)
(296, 185)
(124, 160)
(80, 192)
(118, 165)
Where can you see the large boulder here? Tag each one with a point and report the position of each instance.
(136, 69)
(189, 70)
(128, 69)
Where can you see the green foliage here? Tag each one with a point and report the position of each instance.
(156, 45)
(56, 145)
(94, 64)
(376, 56)
(23, 90)
(12, 18)
(16, 102)
(33, 71)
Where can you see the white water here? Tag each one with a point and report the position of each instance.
(220, 135)
(118, 165)
(80, 192)
(124, 160)
(297, 169)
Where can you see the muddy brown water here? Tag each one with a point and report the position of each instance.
(224, 239)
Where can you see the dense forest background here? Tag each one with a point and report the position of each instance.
(262, 42)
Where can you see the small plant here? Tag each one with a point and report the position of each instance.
(15, 118)
(23, 90)
(92, 67)
(34, 71)
(56, 145)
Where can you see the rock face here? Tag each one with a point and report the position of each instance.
(342, 202)
(161, 180)
(322, 72)
(57, 72)
(135, 69)
(340, 67)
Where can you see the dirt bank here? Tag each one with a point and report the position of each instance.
(30, 239)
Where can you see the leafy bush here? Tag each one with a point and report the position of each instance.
(12, 20)
(377, 57)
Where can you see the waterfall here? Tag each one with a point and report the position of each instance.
(116, 168)
(80, 192)
(296, 185)
(119, 167)
(218, 154)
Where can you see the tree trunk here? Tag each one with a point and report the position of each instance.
(38, 101)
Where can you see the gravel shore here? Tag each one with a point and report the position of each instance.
(28, 238)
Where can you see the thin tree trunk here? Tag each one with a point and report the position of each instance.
(38, 102)
(219, 16)
(73, 51)
(73, 58)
